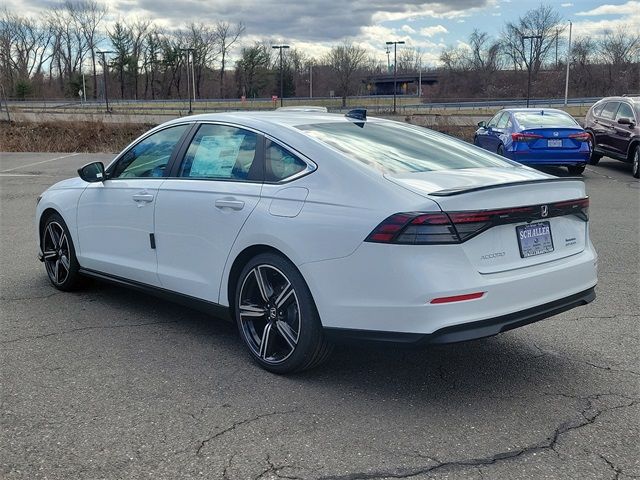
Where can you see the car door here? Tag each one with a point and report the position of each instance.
(202, 207)
(116, 216)
(484, 136)
(621, 133)
(603, 126)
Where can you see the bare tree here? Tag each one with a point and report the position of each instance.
(345, 60)
(409, 59)
(543, 22)
(227, 35)
(618, 49)
(202, 38)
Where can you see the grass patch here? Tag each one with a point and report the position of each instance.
(86, 137)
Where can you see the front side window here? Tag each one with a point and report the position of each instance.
(610, 110)
(393, 147)
(494, 121)
(281, 164)
(625, 111)
(222, 152)
(149, 158)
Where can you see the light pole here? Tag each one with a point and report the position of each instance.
(190, 85)
(281, 47)
(566, 81)
(395, 69)
(105, 74)
(531, 38)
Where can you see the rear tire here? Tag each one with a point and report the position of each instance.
(636, 162)
(594, 158)
(500, 150)
(277, 317)
(59, 254)
(576, 169)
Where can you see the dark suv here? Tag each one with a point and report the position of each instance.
(614, 126)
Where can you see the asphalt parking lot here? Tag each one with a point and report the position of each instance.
(109, 383)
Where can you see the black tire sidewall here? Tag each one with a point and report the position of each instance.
(310, 326)
(577, 169)
(636, 153)
(73, 279)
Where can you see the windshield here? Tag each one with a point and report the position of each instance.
(544, 119)
(398, 148)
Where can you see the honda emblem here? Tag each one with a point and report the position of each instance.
(544, 210)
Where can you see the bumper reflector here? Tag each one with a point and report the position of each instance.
(458, 298)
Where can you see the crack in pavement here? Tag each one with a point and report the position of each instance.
(82, 329)
(548, 444)
(586, 362)
(235, 425)
(275, 470)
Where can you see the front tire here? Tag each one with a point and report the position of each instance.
(636, 162)
(59, 254)
(277, 317)
(576, 169)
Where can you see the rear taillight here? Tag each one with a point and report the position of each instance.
(525, 137)
(581, 137)
(441, 228)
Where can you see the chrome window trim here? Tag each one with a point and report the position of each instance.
(311, 165)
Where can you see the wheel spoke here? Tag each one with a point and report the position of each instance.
(287, 333)
(62, 242)
(264, 342)
(262, 284)
(251, 311)
(285, 294)
(65, 263)
(56, 270)
(52, 236)
(49, 254)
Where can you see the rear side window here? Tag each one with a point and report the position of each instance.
(610, 110)
(625, 111)
(597, 109)
(545, 119)
(221, 152)
(393, 147)
(149, 157)
(281, 164)
(504, 119)
(494, 121)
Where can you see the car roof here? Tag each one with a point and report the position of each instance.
(262, 119)
(534, 110)
(632, 99)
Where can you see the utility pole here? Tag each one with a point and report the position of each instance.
(105, 76)
(190, 84)
(395, 69)
(557, 33)
(388, 59)
(281, 47)
(531, 38)
(566, 81)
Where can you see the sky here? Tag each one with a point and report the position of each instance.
(314, 26)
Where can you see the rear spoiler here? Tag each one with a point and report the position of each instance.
(449, 192)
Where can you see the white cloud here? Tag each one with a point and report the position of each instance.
(629, 8)
(566, 5)
(407, 29)
(433, 30)
(498, 14)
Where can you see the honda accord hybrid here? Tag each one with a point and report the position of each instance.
(304, 227)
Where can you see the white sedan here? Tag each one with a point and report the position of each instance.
(303, 226)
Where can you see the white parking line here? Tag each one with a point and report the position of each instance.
(38, 163)
(18, 175)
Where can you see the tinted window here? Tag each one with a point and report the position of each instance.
(149, 157)
(597, 109)
(494, 121)
(610, 110)
(544, 119)
(394, 147)
(625, 111)
(281, 163)
(222, 152)
(502, 123)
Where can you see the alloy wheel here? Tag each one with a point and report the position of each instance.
(636, 163)
(269, 314)
(55, 250)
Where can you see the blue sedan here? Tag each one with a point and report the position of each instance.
(535, 136)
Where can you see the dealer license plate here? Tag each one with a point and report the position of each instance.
(554, 143)
(534, 239)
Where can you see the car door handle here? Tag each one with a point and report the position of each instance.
(232, 204)
(143, 197)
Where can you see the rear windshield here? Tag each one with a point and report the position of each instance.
(545, 119)
(397, 148)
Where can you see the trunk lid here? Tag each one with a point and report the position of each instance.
(554, 138)
(498, 248)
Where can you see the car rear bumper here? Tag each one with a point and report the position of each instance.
(550, 158)
(390, 288)
(471, 330)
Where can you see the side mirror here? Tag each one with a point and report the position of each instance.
(625, 121)
(482, 124)
(92, 172)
